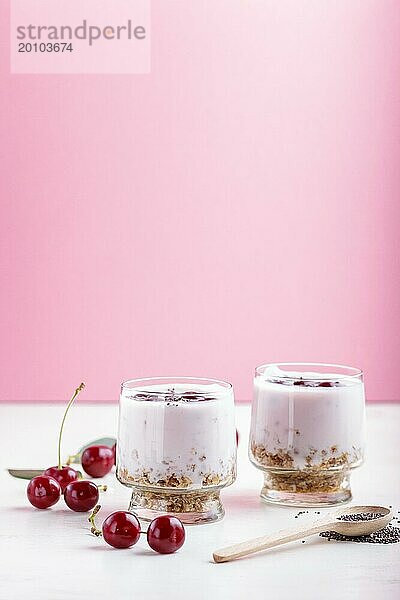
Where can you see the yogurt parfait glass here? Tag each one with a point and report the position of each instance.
(307, 431)
(177, 446)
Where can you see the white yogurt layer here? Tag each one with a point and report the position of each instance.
(309, 422)
(177, 437)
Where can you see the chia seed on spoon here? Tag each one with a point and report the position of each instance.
(387, 535)
(360, 516)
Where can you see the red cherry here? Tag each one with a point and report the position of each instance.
(165, 534)
(97, 461)
(121, 529)
(43, 491)
(81, 495)
(64, 476)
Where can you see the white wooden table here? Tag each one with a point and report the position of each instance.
(51, 555)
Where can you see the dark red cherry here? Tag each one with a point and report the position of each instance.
(165, 534)
(97, 461)
(81, 495)
(43, 491)
(64, 476)
(121, 529)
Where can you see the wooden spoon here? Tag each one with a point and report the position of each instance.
(331, 522)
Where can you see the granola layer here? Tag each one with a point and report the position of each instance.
(195, 502)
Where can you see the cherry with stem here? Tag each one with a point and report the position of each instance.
(76, 393)
(121, 529)
(64, 474)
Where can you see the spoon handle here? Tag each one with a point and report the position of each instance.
(269, 541)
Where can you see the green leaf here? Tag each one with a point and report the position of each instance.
(25, 473)
(105, 441)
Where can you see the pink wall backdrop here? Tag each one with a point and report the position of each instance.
(238, 205)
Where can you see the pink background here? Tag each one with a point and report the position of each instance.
(238, 205)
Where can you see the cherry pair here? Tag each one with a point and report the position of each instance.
(96, 461)
(80, 495)
(121, 529)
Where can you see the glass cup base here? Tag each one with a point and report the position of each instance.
(192, 508)
(297, 488)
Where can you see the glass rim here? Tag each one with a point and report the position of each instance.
(352, 372)
(136, 384)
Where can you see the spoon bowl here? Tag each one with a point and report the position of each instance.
(371, 523)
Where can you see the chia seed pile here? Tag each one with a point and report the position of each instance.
(388, 535)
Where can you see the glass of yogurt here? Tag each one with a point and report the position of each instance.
(307, 431)
(177, 446)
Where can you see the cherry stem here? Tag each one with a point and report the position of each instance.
(74, 458)
(91, 520)
(78, 389)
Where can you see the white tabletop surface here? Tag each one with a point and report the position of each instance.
(51, 555)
